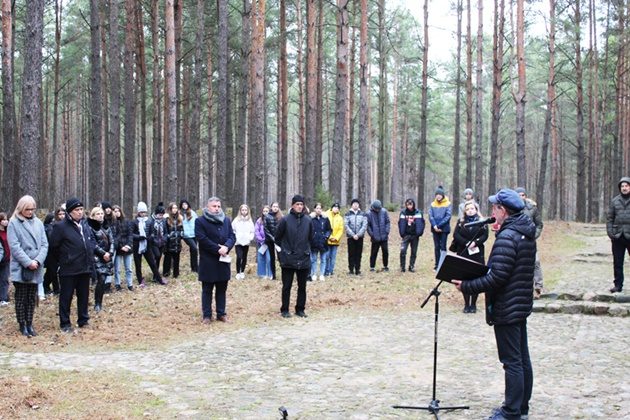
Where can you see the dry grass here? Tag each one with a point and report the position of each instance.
(160, 315)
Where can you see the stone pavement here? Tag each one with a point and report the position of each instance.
(359, 365)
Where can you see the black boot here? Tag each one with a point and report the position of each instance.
(23, 330)
(31, 331)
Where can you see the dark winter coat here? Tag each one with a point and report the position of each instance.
(378, 224)
(73, 251)
(159, 232)
(211, 235)
(271, 225)
(618, 217)
(294, 235)
(510, 282)
(174, 240)
(463, 235)
(122, 230)
(321, 233)
(104, 243)
(410, 223)
(135, 233)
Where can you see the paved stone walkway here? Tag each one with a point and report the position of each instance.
(357, 365)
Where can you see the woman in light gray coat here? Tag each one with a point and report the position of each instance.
(29, 246)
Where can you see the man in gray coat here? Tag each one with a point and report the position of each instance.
(618, 230)
(531, 210)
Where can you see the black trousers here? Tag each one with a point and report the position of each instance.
(219, 297)
(25, 302)
(409, 240)
(287, 283)
(68, 285)
(619, 248)
(51, 280)
(514, 355)
(137, 262)
(171, 258)
(194, 254)
(241, 257)
(272, 258)
(374, 253)
(355, 249)
(99, 290)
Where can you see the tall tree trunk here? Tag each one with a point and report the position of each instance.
(170, 190)
(580, 193)
(479, 103)
(222, 99)
(9, 168)
(350, 113)
(341, 100)
(469, 98)
(31, 110)
(519, 96)
(208, 150)
(458, 109)
(308, 187)
(141, 65)
(243, 175)
(96, 163)
(156, 126)
(113, 177)
(382, 103)
(130, 179)
(195, 117)
(283, 87)
(321, 88)
(257, 115)
(595, 138)
(551, 97)
(181, 144)
(363, 105)
(301, 99)
(424, 99)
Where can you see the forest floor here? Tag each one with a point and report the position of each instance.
(366, 346)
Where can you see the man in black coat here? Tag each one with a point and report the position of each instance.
(294, 235)
(509, 298)
(618, 230)
(72, 245)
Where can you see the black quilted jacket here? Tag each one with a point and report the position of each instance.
(509, 283)
(618, 217)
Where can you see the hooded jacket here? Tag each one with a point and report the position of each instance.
(509, 284)
(440, 214)
(411, 222)
(294, 235)
(336, 224)
(378, 222)
(321, 232)
(618, 217)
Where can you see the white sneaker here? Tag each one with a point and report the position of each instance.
(241, 276)
(322, 278)
(42, 297)
(4, 303)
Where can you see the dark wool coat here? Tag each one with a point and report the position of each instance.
(509, 285)
(123, 235)
(174, 241)
(104, 243)
(378, 225)
(321, 233)
(73, 252)
(271, 225)
(618, 217)
(294, 235)
(135, 233)
(463, 235)
(211, 236)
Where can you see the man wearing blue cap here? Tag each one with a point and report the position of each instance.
(508, 286)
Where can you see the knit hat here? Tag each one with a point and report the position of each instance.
(73, 203)
(520, 190)
(355, 200)
(508, 198)
(106, 205)
(377, 205)
(142, 207)
(159, 209)
(440, 190)
(468, 191)
(297, 198)
(335, 205)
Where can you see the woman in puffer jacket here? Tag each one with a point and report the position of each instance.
(244, 231)
(103, 254)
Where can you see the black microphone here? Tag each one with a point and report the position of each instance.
(481, 222)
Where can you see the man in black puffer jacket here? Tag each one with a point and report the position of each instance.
(294, 235)
(618, 230)
(509, 298)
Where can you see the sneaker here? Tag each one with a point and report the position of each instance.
(615, 289)
(402, 269)
(130, 288)
(142, 285)
(372, 269)
(207, 321)
(411, 269)
(67, 329)
(97, 308)
(322, 278)
(223, 318)
(4, 303)
(118, 288)
(301, 314)
(385, 269)
(285, 314)
(42, 297)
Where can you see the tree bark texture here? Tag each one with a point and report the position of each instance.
(363, 106)
(9, 185)
(341, 100)
(519, 96)
(170, 189)
(113, 175)
(129, 182)
(424, 99)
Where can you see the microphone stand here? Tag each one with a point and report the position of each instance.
(434, 406)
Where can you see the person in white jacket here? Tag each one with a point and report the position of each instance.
(243, 227)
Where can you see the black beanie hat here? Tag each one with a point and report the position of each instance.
(106, 205)
(73, 203)
(297, 198)
(159, 209)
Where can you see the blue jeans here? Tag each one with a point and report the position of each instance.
(331, 258)
(323, 257)
(263, 264)
(4, 281)
(126, 260)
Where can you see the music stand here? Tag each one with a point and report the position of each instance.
(434, 406)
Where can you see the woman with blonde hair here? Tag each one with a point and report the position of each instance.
(103, 253)
(244, 230)
(29, 246)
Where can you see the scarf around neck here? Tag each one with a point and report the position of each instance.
(214, 218)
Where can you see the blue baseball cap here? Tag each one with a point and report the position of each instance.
(508, 198)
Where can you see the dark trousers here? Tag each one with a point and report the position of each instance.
(439, 244)
(137, 262)
(470, 300)
(4, 281)
(619, 248)
(374, 253)
(219, 297)
(407, 241)
(51, 280)
(68, 285)
(514, 355)
(99, 290)
(157, 257)
(272, 258)
(241, 257)
(171, 258)
(287, 283)
(194, 254)
(25, 301)
(355, 249)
